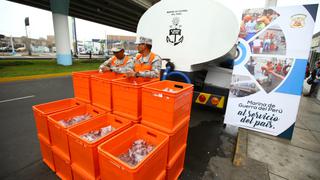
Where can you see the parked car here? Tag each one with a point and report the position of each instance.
(85, 52)
(3, 49)
(6, 49)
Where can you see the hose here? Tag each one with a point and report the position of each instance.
(175, 73)
(168, 72)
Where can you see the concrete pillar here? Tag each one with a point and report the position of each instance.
(270, 3)
(60, 11)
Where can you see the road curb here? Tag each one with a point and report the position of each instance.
(240, 154)
(41, 76)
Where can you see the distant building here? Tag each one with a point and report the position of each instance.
(51, 43)
(19, 42)
(128, 41)
(50, 40)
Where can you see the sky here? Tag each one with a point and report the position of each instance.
(12, 19)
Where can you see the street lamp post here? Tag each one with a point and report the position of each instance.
(26, 23)
(75, 37)
(12, 46)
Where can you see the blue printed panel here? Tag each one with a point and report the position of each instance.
(242, 54)
(293, 84)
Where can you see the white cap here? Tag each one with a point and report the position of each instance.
(117, 47)
(143, 40)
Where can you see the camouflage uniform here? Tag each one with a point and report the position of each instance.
(156, 66)
(115, 68)
(149, 66)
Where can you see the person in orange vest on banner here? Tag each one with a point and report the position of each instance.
(146, 63)
(117, 63)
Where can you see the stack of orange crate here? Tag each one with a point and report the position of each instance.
(126, 97)
(59, 138)
(166, 106)
(92, 92)
(94, 89)
(165, 117)
(41, 113)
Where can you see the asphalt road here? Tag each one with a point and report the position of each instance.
(20, 153)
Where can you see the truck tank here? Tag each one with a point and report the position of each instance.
(199, 37)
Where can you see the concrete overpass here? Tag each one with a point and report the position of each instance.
(122, 14)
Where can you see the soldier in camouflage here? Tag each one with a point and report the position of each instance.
(119, 63)
(146, 63)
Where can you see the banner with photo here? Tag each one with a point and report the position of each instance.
(268, 74)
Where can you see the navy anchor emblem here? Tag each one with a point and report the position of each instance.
(175, 32)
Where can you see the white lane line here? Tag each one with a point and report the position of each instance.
(14, 99)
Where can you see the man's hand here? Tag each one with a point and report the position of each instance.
(103, 69)
(131, 73)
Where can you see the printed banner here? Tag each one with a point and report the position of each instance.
(268, 74)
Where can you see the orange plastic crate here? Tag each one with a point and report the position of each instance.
(175, 166)
(58, 132)
(46, 152)
(84, 154)
(101, 89)
(162, 176)
(62, 163)
(166, 109)
(126, 96)
(41, 112)
(79, 173)
(177, 137)
(111, 167)
(81, 85)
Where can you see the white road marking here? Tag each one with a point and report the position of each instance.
(19, 98)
